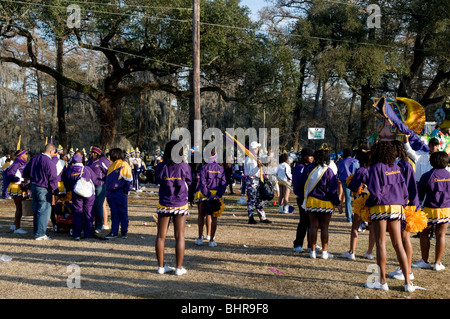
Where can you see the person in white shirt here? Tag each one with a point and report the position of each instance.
(252, 171)
(422, 159)
(285, 174)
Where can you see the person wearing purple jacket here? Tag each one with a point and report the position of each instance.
(319, 198)
(174, 177)
(357, 186)
(41, 171)
(16, 188)
(99, 165)
(413, 204)
(388, 196)
(211, 186)
(307, 157)
(434, 191)
(83, 217)
(119, 181)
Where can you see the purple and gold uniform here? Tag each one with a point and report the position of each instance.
(82, 207)
(388, 194)
(174, 180)
(322, 196)
(212, 183)
(14, 178)
(434, 191)
(119, 181)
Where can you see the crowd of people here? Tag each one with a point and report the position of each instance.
(385, 187)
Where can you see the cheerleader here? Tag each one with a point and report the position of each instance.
(357, 185)
(211, 187)
(388, 196)
(319, 198)
(174, 180)
(118, 182)
(16, 187)
(434, 191)
(413, 213)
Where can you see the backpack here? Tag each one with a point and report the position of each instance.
(266, 190)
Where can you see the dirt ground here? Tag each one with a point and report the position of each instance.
(250, 262)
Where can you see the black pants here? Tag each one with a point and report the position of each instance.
(302, 228)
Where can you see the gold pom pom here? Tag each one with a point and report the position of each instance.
(416, 220)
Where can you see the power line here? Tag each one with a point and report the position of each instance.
(126, 5)
(278, 33)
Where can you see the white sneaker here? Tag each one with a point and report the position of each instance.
(438, 267)
(421, 264)
(20, 231)
(396, 274)
(207, 237)
(298, 249)
(326, 255)
(13, 227)
(163, 270)
(377, 285)
(180, 272)
(410, 288)
(45, 237)
(312, 254)
(212, 243)
(199, 241)
(348, 255)
(105, 227)
(368, 256)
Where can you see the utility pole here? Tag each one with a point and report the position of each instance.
(196, 70)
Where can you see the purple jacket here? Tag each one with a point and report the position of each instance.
(358, 179)
(41, 171)
(296, 175)
(212, 177)
(325, 189)
(386, 186)
(72, 174)
(115, 181)
(18, 165)
(344, 168)
(174, 180)
(434, 186)
(100, 168)
(411, 184)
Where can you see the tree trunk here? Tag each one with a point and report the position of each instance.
(366, 108)
(298, 111)
(108, 121)
(60, 94)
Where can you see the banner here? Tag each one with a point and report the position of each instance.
(316, 133)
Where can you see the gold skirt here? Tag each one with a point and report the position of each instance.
(16, 190)
(314, 205)
(386, 212)
(181, 210)
(437, 215)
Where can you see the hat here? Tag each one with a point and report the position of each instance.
(254, 145)
(96, 150)
(307, 152)
(77, 158)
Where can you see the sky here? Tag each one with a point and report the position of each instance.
(254, 6)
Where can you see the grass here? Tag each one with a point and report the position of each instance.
(250, 262)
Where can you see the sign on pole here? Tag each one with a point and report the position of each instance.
(315, 133)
